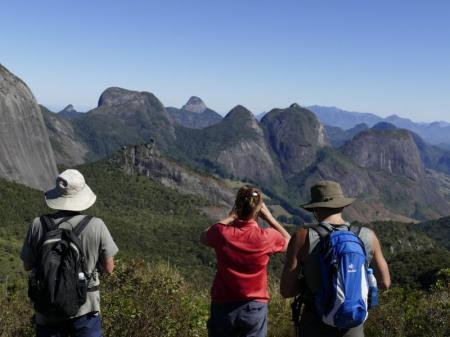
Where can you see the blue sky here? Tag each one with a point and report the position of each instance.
(379, 56)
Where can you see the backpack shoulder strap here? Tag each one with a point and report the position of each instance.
(355, 229)
(322, 230)
(47, 222)
(79, 228)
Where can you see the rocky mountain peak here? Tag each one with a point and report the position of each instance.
(241, 116)
(195, 104)
(69, 112)
(239, 112)
(69, 108)
(116, 96)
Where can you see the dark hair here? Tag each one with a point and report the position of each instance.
(247, 201)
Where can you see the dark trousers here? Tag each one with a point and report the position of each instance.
(84, 326)
(241, 319)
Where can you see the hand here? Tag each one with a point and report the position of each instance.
(264, 212)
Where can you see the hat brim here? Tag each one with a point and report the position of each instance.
(335, 203)
(78, 202)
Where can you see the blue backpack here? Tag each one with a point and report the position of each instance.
(342, 300)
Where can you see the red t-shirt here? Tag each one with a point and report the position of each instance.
(242, 252)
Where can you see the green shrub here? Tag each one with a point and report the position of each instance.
(143, 300)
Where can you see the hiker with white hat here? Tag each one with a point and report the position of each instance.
(64, 251)
(328, 270)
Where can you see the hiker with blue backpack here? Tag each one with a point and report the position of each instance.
(63, 252)
(327, 269)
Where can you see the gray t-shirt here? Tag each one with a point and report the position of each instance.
(97, 243)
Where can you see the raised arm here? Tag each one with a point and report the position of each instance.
(380, 265)
(268, 217)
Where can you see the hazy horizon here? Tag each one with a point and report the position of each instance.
(384, 58)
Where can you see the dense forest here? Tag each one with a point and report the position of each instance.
(161, 283)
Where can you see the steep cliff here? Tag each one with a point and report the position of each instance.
(392, 150)
(295, 135)
(25, 152)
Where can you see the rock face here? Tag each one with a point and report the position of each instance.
(68, 149)
(195, 104)
(249, 155)
(295, 135)
(393, 151)
(25, 152)
(146, 160)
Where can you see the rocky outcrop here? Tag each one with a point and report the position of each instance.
(195, 104)
(295, 135)
(25, 152)
(68, 149)
(146, 160)
(392, 151)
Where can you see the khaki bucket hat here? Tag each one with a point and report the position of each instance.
(71, 193)
(327, 194)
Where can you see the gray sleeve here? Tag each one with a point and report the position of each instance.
(28, 254)
(108, 247)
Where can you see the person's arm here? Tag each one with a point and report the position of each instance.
(289, 285)
(108, 264)
(268, 217)
(107, 249)
(380, 265)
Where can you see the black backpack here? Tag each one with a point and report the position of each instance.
(58, 283)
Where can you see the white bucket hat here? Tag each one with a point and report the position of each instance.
(71, 193)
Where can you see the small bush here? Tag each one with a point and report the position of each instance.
(142, 300)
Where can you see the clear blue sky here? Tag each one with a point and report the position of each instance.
(377, 56)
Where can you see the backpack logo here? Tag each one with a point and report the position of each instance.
(351, 268)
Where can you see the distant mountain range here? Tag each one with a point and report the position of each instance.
(436, 133)
(394, 173)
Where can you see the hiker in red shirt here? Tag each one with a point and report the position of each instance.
(240, 291)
